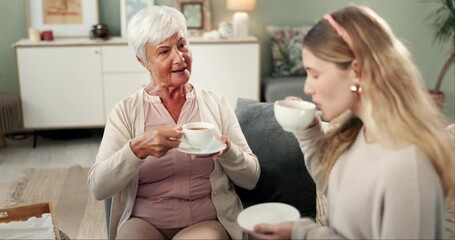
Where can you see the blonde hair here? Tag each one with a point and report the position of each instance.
(398, 111)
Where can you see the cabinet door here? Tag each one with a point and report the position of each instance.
(120, 85)
(120, 59)
(230, 69)
(60, 87)
(122, 75)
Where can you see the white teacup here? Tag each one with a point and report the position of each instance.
(294, 115)
(198, 134)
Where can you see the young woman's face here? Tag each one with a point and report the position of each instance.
(329, 86)
(170, 61)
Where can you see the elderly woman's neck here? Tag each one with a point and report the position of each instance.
(169, 93)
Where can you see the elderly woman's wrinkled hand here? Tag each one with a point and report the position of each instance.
(224, 139)
(156, 141)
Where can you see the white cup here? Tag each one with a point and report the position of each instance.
(198, 134)
(294, 115)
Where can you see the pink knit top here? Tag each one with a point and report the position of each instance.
(174, 191)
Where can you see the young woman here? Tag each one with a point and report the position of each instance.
(386, 162)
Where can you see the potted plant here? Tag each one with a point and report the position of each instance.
(443, 22)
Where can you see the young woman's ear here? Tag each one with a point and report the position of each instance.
(355, 67)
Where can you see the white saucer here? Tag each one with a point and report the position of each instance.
(267, 213)
(213, 147)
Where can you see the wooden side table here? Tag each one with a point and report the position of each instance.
(24, 212)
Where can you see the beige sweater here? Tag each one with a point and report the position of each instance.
(115, 172)
(376, 193)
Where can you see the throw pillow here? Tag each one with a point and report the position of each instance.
(284, 177)
(286, 48)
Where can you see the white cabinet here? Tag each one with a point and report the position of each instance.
(61, 86)
(70, 83)
(122, 75)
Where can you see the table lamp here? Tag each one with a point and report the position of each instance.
(240, 19)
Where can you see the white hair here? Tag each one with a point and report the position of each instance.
(154, 25)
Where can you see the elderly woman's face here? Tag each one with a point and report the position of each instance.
(170, 61)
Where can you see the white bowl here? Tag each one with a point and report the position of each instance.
(294, 115)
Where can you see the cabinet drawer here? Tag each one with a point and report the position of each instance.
(120, 59)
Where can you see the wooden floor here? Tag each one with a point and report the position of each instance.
(54, 149)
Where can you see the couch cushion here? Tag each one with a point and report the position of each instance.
(286, 49)
(284, 177)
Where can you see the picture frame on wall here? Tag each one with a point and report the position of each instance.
(65, 18)
(197, 14)
(129, 8)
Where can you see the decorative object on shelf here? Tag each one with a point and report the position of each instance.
(34, 35)
(100, 31)
(240, 19)
(225, 29)
(444, 32)
(197, 14)
(211, 35)
(65, 18)
(47, 35)
(128, 8)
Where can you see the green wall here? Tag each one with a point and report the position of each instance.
(406, 17)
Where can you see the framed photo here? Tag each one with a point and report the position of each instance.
(66, 18)
(128, 8)
(197, 14)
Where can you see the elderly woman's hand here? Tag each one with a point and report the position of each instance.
(224, 139)
(156, 141)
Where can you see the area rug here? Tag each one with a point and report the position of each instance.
(77, 213)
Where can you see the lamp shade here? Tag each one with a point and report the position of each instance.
(241, 5)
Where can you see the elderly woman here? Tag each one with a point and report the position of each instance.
(158, 192)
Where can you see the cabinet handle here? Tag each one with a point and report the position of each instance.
(97, 52)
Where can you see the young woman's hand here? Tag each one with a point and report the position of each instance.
(273, 231)
(293, 98)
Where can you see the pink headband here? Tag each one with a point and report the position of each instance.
(339, 29)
